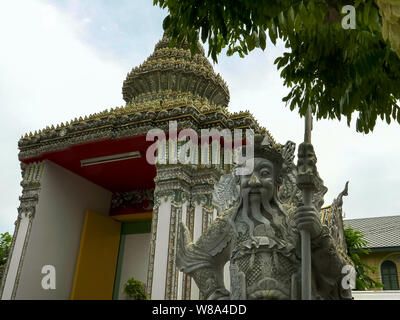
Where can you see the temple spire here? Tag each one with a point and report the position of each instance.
(170, 72)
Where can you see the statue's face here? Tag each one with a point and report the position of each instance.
(261, 181)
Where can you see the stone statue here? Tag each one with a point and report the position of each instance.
(257, 230)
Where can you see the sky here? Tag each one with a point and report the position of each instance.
(61, 59)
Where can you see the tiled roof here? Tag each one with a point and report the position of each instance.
(379, 232)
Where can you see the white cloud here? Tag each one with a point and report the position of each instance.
(47, 76)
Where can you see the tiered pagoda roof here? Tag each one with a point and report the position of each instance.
(172, 71)
(170, 85)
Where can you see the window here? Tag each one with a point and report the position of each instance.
(389, 276)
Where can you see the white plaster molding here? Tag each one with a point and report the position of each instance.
(31, 175)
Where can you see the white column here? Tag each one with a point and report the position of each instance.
(161, 250)
(31, 177)
(180, 276)
(197, 229)
(15, 257)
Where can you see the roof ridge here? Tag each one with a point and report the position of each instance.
(397, 215)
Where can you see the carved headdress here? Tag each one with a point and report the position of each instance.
(264, 148)
(280, 155)
(226, 192)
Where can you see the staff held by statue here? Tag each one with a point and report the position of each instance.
(306, 181)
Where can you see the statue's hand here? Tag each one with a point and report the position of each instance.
(307, 218)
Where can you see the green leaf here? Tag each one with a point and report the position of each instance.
(166, 22)
(282, 20)
(366, 12)
(387, 116)
(272, 32)
(251, 42)
(291, 17)
(204, 32)
(262, 39)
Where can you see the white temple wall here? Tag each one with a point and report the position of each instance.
(161, 250)
(135, 259)
(15, 259)
(56, 230)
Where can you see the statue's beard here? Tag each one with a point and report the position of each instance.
(255, 208)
